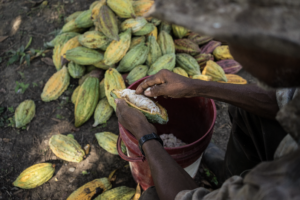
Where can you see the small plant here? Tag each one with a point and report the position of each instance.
(34, 84)
(19, 54)
(11, 122)
(11, 109)
(211, 176)
(59, 116)
(21, 87)
(22, 75)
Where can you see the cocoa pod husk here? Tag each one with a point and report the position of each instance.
(199, 39)
(210, 47)
(230, 66)
(186, 46)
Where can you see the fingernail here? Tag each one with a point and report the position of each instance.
(147, 92)
(116, 100)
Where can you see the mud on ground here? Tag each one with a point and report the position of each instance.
(19, 149)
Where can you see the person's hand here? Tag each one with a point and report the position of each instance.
(166, 83)
(133, 120)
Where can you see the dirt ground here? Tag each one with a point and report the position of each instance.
(20, 149)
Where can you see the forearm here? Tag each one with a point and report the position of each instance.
(169, 178)
(249, 97)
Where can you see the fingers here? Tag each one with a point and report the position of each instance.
(121, 107)
(151, 81)
(156, 90)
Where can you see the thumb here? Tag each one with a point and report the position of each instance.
(121, 104)
(155, 91)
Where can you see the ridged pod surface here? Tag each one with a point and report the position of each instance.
(188, 63)
(179, 31)
(84, 19)
(84, 56)
(222, 53)
(102, 89)
(166, 43)
(154, 51)
(137, 73)
(93, 40)
(76, 70)
(66, 148)
(93, 4)
(135, 24)
(75, 94)
(141, 7)
(148, 28)
(102, 65)
(186, 46)
(56, 57)
(108, 141)
(56, 85)
(199, 39)
(24, 113)
(113, 80)
(215, 71)
(230, 66)
(92, 188)
(154, 33)
(203, 58)
(61, 39)
(72, 16)
(87, 99)
(165, 26)
(96, 9)
(117, 49)
(70, 27)
(35, 176)
(155, 21)
(167, 61)
(107, 23)
(71, 44)
(180, 71)
(120, 193)
(134, 57)
(202, 77)
(103, 112)
(136, 40)
(123, 8)
(234, 79)
(210, 47)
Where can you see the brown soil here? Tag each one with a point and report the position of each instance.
(20, 149)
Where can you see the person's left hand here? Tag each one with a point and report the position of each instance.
(133, 120)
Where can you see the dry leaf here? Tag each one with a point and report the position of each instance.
(2, 38)
(48, 61)
(110, 177)
(137, 192)
(15, 25)
(87, 149)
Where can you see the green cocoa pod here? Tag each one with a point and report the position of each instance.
(102, 65)
(24, 113)
(108, 141)
(76, 70)
(165, 26)
(155, 21)
(167, 61)
(61, 39)
(137, 40)
(166, 43)
(180, 71)
(72, 16)
(123, 8)
(84, 56)
(75, 94)
(107, 23)
(120, 193)
(148, 28)
(179, 31)
(102, 89)
(103, 112)
(84, 19)
(137, 73)
(94, 40)
(133, 58)
(135, 24)
(154, 51)
(188, 63)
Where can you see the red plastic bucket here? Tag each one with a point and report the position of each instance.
(190, 119)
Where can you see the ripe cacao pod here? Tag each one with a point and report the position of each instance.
(88, 190)
(71, 44)
(137, 40)
(166, 43)
(188, 63)
(202, 58)
(153, 33)
(66, 148)
(180, 71)
(113, 80)
(75, 94)
(61, 39)
(186, 46)
(24, 113)
(199, 39)
(56, 85)
(35, 176)
(84, 19)
(92, 6)
(117, 49)
(165, 26)
(202, 77)
(120, 193)
(96, 9)
(230, 66)
(215, 71)
(179, 31)
(222, 53)
(102, 65)
(148, 28)
(56, 57)
(123, 8)
(102, 89)
(137, 73)
(84, 56)
(154, 51)
(135, 24)
(72, 16)
(103, 112)
(108, 141)
(107, 23)
(141, 7)
(210, 47)
(70, 27)
(94, 40)
(234, 79)
(136, 56)
(166, 61)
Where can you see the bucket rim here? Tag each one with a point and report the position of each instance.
(188, 145)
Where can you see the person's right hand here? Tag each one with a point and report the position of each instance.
(166, 83)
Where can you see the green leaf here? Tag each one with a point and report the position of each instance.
(29, 43)
(21, 60)
(13, 59)
(21, 50)
(32, 51)
(11, 109)
(28, 59)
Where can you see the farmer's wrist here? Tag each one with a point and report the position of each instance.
(145, 130)
(197, 87)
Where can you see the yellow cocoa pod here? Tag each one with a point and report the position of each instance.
(116, 50)
(120, 193)
(215, 71)
(147, 29)
(35, 176)
(103, 112)
(154, 51)
(94, 40)
(96, 9)
(153, 33)
(102, 65)
(107, 23)
(123, 8)
(222, 53)
(72, 16)
(87, 99)
(166, 43)
(84, 19)
(135, 24)
(179, 31)
(112, 80)
(167, 61)
(75, 94)
(141, 7)
(56, 57)
(108, 141)
(234, 79)
(180, 71)
(24, 113)
(66, 148)
(71, 44)
(92, 187)
(137, 40)
(56, 85)
(202, 77)
(102, 89)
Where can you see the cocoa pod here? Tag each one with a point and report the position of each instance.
(24, 113)
(154, 51)
(188, 63)
(234, 79)
(166, 61)
(136, 40)
(186, 46)
(210, 47)
(180, 71)
(198, 39)
(141, 7)
(103, 112)
(137, 73)
(107, 23)
(222, 53)
(76, 70)
(179, 31)
(230, 66)
(121, 193)
(123, 8)
(166, 43)
(215, 71)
